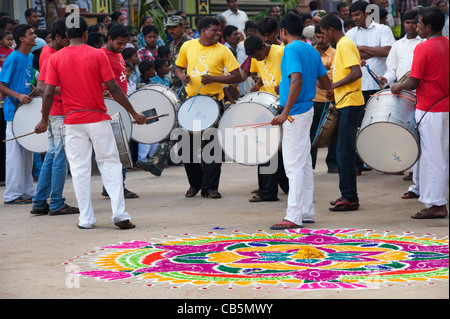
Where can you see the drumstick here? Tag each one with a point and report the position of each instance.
(14, 138)
(181, 89)
(257, 124)
(374, 76)
(201, 83)
(152, 118)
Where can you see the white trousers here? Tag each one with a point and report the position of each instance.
(80, 139)
(18, 169)
(296, 148)
(430, 173)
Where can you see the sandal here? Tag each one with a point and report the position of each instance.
(344, 205)
(192, 191)
(255, 191)
(212, 194)
(409, 195)
(20, 200)
(432, 212)
(125, 224)
(66, 210)
(332, 203)
(285, 224)
(256, 199)
(127, 194)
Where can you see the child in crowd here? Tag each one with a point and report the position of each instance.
(6, 41)
(348, 24)
(130, 55)
(131, 86)
(162, 69)
(147, 70)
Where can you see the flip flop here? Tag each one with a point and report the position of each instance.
(344, 206)
(212, 194)
(192, 191)
(128, 194)
(125, 224)
(285, 224)
(429, 214)
(19, 200)
(409, 195)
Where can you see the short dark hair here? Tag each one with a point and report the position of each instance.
(59, 28)
(20, 31)
(145, 65)
(96, 38)
(292, 24)
(149, 28)
(118, 31)
(349, 23)
(331, 21)
(359, 5)
(141, 23)
(29, 12)
(434, 17)
(410, 14)
(250, 25)
(115, 15)
(228, 31)
(163, 50)
(206, 22)
(7, 20)
(77, 32)
(341, 5)
(304, 17)
(159, 63)
(128, 52)
(317, 30)
(252, 44)
(3, 34)
(268, 25)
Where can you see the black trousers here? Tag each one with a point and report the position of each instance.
(268, 183)
(358, 162)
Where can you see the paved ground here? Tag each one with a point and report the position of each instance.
(34, 248)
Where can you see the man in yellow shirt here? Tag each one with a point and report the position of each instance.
(265, 61)
(350, 102)
(200, 65)
(321, 101)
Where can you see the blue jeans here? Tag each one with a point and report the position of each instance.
(54, 169)
(349, 120)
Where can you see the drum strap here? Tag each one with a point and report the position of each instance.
(417, 125)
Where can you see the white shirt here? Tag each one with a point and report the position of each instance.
(376, 35)
(244, 87)
(239, 19)
(445, 29)
(399, 60)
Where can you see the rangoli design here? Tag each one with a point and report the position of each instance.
(301, 259)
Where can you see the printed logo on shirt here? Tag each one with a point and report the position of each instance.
(196, 71)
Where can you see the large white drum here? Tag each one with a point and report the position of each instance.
(198, 113)
(25, 120)
(387, 140)
(264, 98)
(113, 107)
(154, 100)
(244, 137)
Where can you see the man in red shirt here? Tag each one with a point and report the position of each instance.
(430, 78)
(80, 71)
(54, 168)
(117, 40)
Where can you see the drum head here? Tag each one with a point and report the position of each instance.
(25, 120)
(244, 144)
(387, 147)
(196, 114)
(153, 102)
(112, 108)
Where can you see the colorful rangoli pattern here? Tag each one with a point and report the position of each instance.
(302, 259)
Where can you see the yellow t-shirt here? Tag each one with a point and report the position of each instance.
(269, 69)
(201, 60)
(347, 55)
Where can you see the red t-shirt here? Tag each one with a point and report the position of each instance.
(431, 66)
(118, 66)
(4, 52)
(80, 72)
(47, 51)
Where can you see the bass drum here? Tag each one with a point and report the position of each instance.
(244, 137)
(198, 113)
(112, 108)
(264, 98)
(153, 100)
(387, 140)
(24, 121)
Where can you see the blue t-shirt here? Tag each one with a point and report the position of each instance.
(157, 80)
(300, 57)
(16, 74)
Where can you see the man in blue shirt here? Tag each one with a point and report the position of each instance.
(15, 82)
(301, 67)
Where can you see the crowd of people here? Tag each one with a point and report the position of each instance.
(308, 60)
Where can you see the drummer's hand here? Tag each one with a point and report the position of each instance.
(396, 88)
(255, 88)
(41, 127)
(277, 89)
(207, 79)
(330, 95)
(24, 99)
(382, 80)
(186, 78)
(140, 118)
(279, 119)
(106, 93)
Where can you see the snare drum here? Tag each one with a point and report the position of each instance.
(327, 130)
(387, 140)
(264, 98)
(25, 120)
(241, 140)
(113, 107)
(153, 100)
(198, 113)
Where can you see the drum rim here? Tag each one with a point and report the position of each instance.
(270, 108)
(379, 94)
(216, 121)
(19, 140)
(415, 139)
(128, 114)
